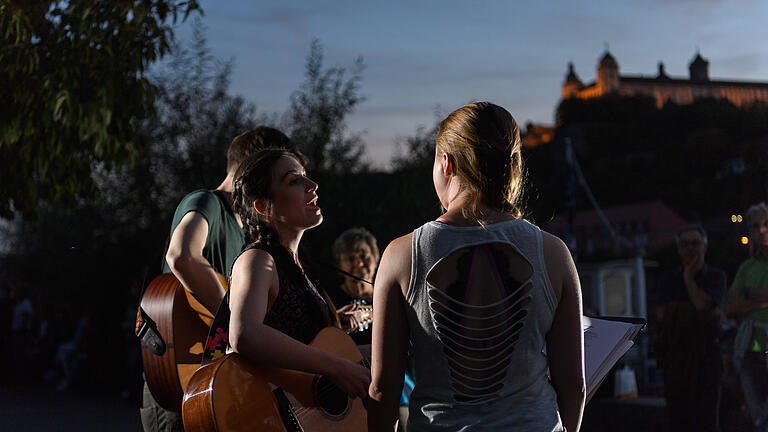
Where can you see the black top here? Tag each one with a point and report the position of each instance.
(299, 310)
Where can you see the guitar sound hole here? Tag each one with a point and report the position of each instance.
(330, 398)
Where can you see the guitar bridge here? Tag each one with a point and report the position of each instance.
(287, 415)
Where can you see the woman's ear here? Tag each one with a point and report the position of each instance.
(448, 165)
(261, 206)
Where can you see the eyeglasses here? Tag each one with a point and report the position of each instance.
(354, 257)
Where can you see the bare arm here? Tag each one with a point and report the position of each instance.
(390, 335)
(565, 340)
(254, 282)
(185, 258)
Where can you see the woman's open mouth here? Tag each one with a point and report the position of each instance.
(312, 204)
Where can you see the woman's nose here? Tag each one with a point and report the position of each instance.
(312, 186)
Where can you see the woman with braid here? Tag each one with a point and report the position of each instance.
(489, 304)
(277, 202)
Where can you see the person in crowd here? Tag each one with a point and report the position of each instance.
(275, 309)
(206, 236)
(689, 315)
(355, 252)
(748, 300)
(490, 304)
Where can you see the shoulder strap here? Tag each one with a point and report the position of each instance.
(217, 342)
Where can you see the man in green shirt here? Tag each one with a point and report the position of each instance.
(748, 300)
(206, 237)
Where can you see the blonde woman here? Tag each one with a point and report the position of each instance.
(489, 304)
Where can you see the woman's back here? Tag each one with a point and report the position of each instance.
(479, 306)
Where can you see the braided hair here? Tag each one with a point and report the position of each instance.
(253, 181)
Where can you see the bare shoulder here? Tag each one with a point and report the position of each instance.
(395, 268)
(400, 247)
(552, 244)
(255, 256)
(558, 261)
(253, 262)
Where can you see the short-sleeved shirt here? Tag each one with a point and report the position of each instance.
(753, 274)
(225, 236)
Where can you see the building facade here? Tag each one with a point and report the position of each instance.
(662, 87)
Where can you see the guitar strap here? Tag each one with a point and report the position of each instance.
(217, 342)
(146, 328)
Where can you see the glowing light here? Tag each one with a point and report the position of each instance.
(734, 218)
(744, 240)
(739, 218)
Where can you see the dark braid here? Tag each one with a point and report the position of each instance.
(253, 181)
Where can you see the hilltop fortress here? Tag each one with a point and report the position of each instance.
(662, 87)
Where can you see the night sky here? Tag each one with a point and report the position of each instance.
(435, 56)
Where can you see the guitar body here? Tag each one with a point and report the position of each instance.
(231, 394)
(183, 324)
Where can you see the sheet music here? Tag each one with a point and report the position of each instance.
(604, 344)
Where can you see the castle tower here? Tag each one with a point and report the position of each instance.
(607, 74)
(699, 68)
(662, 73)
(572, 83)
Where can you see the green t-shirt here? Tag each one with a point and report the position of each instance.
(753, 274)
(225, 237)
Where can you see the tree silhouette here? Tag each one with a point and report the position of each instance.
(75, 91)
(315, 119)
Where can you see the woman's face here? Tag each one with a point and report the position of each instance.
(294, 196)
(358, 259)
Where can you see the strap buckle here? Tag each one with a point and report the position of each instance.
(146, 330)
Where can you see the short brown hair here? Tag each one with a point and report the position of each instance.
(483, 140)
(257, 139)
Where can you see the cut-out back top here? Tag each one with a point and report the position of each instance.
(479, 306)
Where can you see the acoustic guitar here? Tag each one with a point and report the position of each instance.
(231, 394)
(182, 324)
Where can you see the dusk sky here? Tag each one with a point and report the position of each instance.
(438, 55)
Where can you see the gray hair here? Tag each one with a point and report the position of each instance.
(753, 210)
(691, 227)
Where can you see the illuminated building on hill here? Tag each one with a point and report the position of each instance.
(663, 87)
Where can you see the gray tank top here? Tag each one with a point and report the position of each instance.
(477, 326)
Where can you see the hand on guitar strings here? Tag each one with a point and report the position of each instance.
(349, 322)
(350, 377)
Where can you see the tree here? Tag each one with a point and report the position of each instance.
(416, 151)
(119, 237)
(315, 119)
(75, 91)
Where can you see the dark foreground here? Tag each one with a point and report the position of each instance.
(40, 408)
